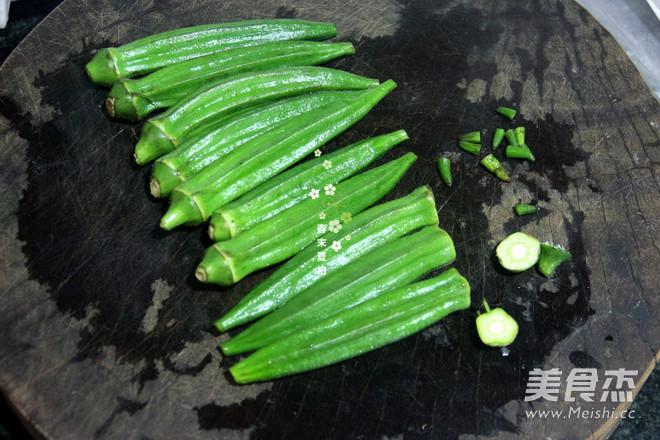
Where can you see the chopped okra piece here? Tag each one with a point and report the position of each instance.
(444, 165)
(496, 327)
(470, 147)
(520, 135)
(518, 252)
(519, 152)
(497, 137)
(474, 136)
(551, 257)
(522, 209)
(506, 112)
(510, 135)
(494, 166)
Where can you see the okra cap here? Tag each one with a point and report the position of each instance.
(163, 179)
(215, 268)
(121, 103)
(101, 69)
(152, 144)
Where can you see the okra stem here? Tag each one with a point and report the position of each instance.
(497, 137)
(551, 257)
(286, 233)
(444, 165)
(374, 323)
(494, 166)
(388, 267)
(506, 112)
(367, 231)
(520, 152)
(470, 147)
(522, 209)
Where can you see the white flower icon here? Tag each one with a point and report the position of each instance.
(317, 153)
(329, 189)
(334, 225)
(327, 164)
(314, 193)
(322, 216)
(336, 246)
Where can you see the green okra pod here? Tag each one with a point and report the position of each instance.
(160, 134)
(444, 165)
(261, 158)
(284, 235)
(379, 321)
(133, 99)
(365, 232)
(494, 166)
(212, 141)
(292, 186)
(163, 49)
(388, 267)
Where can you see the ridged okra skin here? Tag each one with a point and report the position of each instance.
(163, 49)
(133, 99)
(292, 186)
(365, 232)
(284, 235)
(254, 162)
(375, 323)
(388, 267)
(160, 134)
(210, 142)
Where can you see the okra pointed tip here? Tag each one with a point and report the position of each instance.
(152, 144)
(101, 69)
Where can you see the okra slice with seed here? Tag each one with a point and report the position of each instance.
(388, 267)
(363, 233)
(163, 49)
(292, 186)
(261, 158)
(518, 252)
(133, 99)
(287, 233)
(382, 320)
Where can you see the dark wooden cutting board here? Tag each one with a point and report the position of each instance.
(107, 334)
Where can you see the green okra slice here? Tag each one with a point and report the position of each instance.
(470, 147)
(550, 257)
(507, 112)
(519, 152)
(160, 134)
(210, 142)
(497, 137)
(444, 165)
(522, 209)
(163, 49)
(133, 99)
(287, 233)
(494, 166)
(365, 232)
(388, 267)
(292, 186)
(261, 158)
(379, 321)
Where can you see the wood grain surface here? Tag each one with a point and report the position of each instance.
(107, 334)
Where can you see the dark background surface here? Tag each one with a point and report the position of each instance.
(26, 14)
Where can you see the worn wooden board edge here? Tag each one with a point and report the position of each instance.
(643, 178)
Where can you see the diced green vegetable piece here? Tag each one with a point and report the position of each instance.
(518, 252)
(473, 136)
(519, 152)
(510, 135)
(388, 267)
(551, 257)
(496, 327)
(497, 137)
(506, 112)
(520, 135)
(494, 166)
(379, 321)
(444, 165)
(470, 147)
(522, 209)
